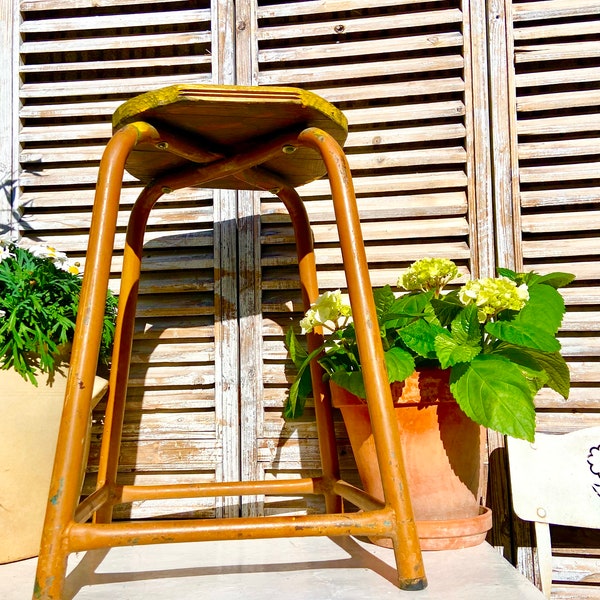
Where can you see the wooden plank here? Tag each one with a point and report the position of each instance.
(412, 112)
(556, 52)
(360, 70)
(164, 455)
(558, 148)
(559, 124)
(554, 31)
(115, 21)
(44, 5)
(378, 230)
(375, 138)
(564, 221)
(131, 86)
(584, 270)
(319, 6)
(199, 220)
(553, 197)
(478, 144)
(565, 76)
(377, 207)
(396, 183)
(99, 66)
(554, 9)
(329, 256)
(580, 321)
(405, 158)
(355, 25)
(110, 43)
(360, 91)
(578, 247)
(360, 48)
(93, 108)
(502, 121)
(566, 172)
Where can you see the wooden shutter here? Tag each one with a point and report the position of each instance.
(403, 73)
(79, 61)
(555, 131)
(546, 111)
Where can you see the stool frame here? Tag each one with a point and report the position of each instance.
(72, 525)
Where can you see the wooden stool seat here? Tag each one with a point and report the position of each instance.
(226, 121)
(236, 138)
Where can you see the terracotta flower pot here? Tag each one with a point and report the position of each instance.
(443, 454)
(28, 434)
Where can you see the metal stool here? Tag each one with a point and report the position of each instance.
(251, 138)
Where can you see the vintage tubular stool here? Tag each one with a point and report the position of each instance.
(252, 138)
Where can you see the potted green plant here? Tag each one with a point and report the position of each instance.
(473, 356)
(39, 297)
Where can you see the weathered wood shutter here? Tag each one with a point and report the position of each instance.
(404, 74)
(79, 61)
(547, 186)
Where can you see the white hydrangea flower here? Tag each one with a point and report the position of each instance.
(330, 310)
(493, 295)
(428, 274)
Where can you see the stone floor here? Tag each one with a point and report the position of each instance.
(290, 568)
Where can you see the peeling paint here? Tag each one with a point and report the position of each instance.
(55, 498)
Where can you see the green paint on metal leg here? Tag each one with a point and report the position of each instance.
(413, 585)
(37, 588)
(55, 498)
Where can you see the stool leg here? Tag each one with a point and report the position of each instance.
(310, 291)
(409, 561)
(123, 342)
(65, 486)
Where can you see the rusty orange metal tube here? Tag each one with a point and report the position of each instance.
(65, 485)
(321, 396)
(134, 493)
(123, 342)
(85, 536)
(411, 573)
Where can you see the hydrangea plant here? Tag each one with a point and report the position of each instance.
(39, 297)
(496, 335)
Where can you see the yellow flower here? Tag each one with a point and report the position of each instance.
(493, 295)
(330, 310)
(428, 274)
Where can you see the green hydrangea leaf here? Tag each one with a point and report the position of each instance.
(384, 298)
(447, 308)
(463, 342)
(420, 337)
(493, 392)
(297, 352)
(556, 371)
(534, 373)
(399, 363)
(353, 382)
(530, 336)
(408, 307)
(544, 309)
(557, 279)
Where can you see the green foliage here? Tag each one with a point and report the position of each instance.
(39, 298)
(497, 336)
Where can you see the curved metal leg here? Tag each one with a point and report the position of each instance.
(411, 573)
(65, 486)
(123, 342)
(310, 291)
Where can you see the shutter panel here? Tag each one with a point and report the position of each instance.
(556, 62)
(80, 60)
(546, 111)
(402, 73)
